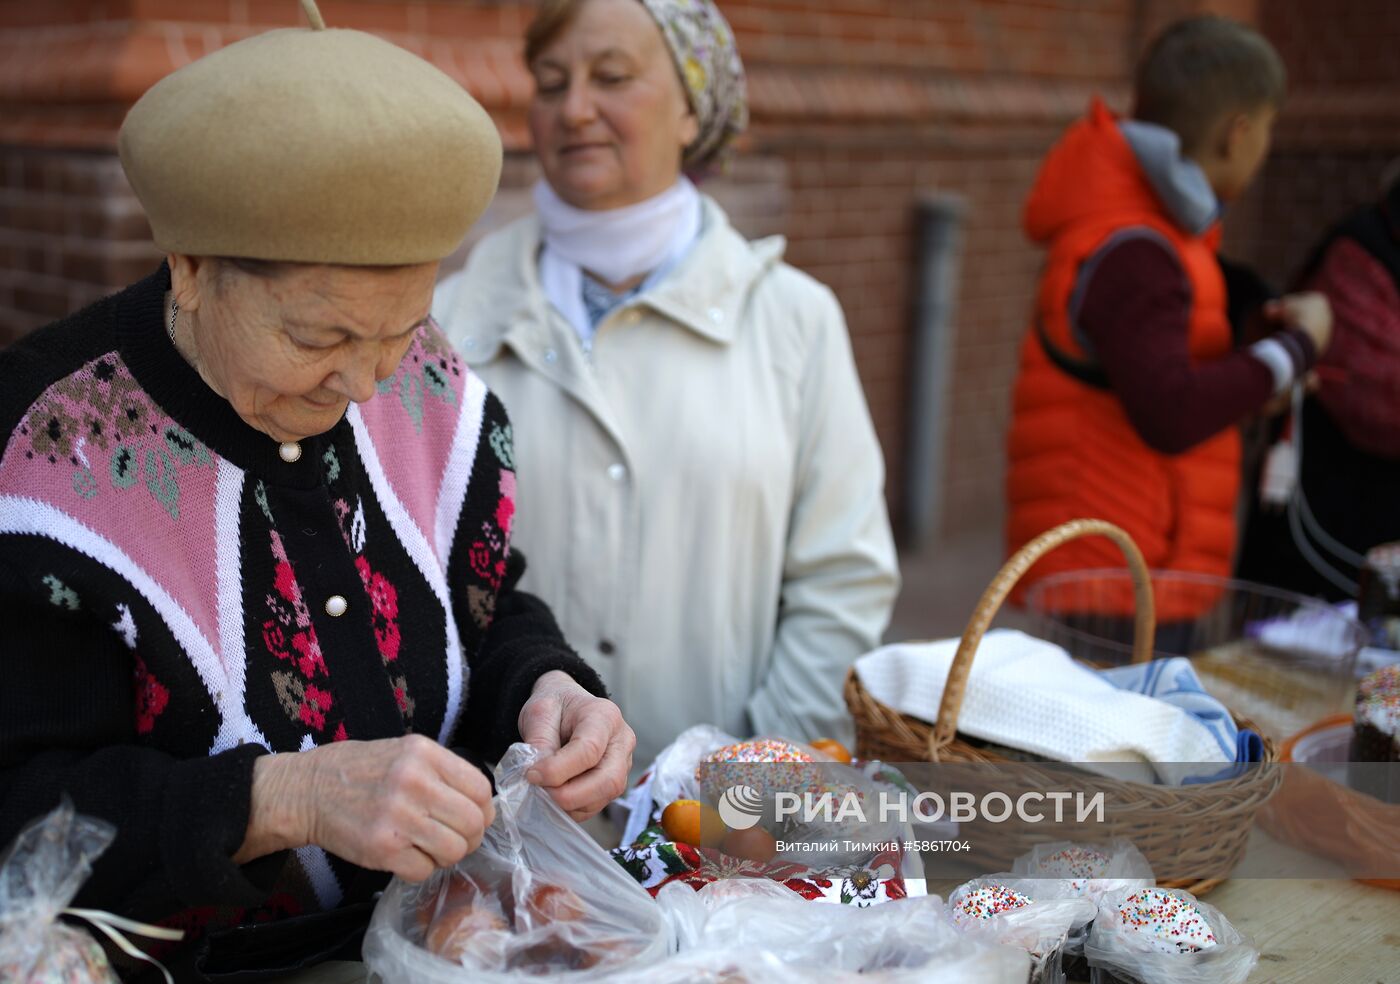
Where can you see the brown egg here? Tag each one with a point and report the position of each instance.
(551, 955)
(608, 952)
(460, 890)
(754, 844)
(548, 903)
(453, 892)
(455, 933)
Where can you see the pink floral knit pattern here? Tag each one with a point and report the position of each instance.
(288, 633)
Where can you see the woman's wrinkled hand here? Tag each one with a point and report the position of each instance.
(403, 805)
(586, 746)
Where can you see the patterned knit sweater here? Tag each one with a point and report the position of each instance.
(164, 587)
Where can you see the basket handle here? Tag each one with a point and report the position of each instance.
(1144, 624)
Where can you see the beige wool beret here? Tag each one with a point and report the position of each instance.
(311, 145)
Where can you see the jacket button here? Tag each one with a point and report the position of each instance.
(606, 648)
(617, 471)
(336, 606)
(289, 451)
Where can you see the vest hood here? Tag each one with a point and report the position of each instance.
(1097, 172)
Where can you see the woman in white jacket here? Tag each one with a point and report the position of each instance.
(701, 479)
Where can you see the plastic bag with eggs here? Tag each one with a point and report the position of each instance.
(538, 897)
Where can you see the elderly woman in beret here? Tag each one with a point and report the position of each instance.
(256, 570)
(702, 489)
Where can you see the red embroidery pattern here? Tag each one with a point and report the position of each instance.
(487, 556)
(289, 635)
(151, 698)
(384, 614)
(383, 600)
(505, 508)
(384, 608)
(810, 889)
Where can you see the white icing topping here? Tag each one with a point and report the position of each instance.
(1170, 923)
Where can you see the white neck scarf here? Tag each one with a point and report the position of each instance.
(616, 244)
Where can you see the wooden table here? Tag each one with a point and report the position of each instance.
(1314, 931)
(1319, 926)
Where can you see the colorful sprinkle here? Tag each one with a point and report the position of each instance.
(1378, 700)
(992, 900)
(748, 763)
(1076, 862)
(761, 750)
(1171, 923)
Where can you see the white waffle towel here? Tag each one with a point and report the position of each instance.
(1028, 694)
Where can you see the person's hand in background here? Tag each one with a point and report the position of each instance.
(1309, 312)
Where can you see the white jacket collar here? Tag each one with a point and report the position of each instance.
(706, 293)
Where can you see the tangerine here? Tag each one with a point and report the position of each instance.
(832, 749)
(689, 821)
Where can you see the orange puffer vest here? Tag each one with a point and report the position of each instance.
(1072, 451)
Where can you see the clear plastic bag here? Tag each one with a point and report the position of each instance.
(1042, 926)
(39, 876)
(1067, 869)
(1316, 809)
(537, 897)
(752, 930)
(675, 773)
(680, 772)
(671, 776)
(1119, 953)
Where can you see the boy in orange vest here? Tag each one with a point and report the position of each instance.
(1130, 386)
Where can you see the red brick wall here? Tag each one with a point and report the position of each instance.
(1338, 132)
(859, 106)
(69, 230)
(871, 104)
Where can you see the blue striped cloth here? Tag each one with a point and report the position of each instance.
(1175, 681)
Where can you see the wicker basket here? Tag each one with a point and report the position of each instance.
(1202, 828)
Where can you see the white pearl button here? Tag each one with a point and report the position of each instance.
(617, 472)
(336, 606)
(550, 355)
(469, 343)
(289, 451)
(716, 315)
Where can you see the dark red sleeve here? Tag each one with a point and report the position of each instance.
(1362, 394)
(1134, 314)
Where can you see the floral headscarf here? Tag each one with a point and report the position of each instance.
(702, 46)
